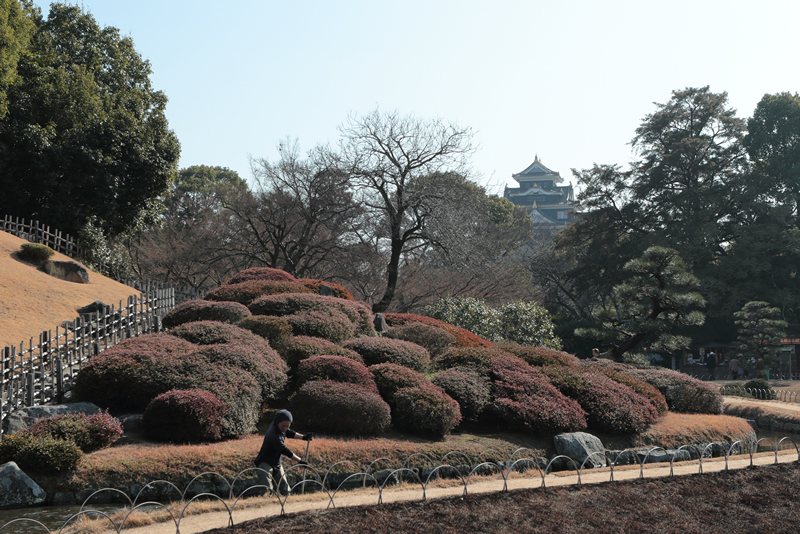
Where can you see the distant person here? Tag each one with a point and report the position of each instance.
(733, 369)
(711, 364)
(273, 449)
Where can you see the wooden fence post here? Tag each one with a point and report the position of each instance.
(59, 381)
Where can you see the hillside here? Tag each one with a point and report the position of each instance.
(32, 301)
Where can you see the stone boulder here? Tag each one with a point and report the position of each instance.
(24, 417)
(579, 446)
(67, 270)
(379, 323)
(94, 307)
(17, 489)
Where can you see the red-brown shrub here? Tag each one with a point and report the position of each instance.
(540, 356)
(389, 377)
(464, 338)
(299, 348)
(274, 329)
(357, 313)
(476, 358)
(204, 310)
(523, 398)
(637, 384)
(247, 292)
(612, 407)
(184, 416)
(337, 290)
(683, 393)
(214, 333)
(330, 325)
(424, 410)
(434, 339)
(340, 408)
(470, 389)
(269, 369)
(376, 350)
(89, 432)
(336, 368)
(260, 273)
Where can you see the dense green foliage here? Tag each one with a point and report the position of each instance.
(760, 331)
(88, 432)
(84, 127)
(35, 252)
(40, 454)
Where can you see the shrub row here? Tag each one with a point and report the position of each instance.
(248, 291)
(185, 416)
(299, 348)
(540, 356)
(340, 408)
(469, 388)
(682, 392)
(337, 369)
(260, 273)
(434, 339)
(358, 313)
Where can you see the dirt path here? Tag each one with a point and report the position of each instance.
(200, 523)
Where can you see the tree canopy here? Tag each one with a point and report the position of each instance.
(85, 134)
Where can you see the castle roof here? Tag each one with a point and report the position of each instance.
(537, 171)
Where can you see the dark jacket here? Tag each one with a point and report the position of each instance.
(273, 447)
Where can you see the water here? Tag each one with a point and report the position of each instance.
(53, 517)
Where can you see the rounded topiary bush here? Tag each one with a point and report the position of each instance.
(389, 377)
(523, 398)
(758, 383)
(682, 392)
(185, 416)
(299, 348)
(464, 338)
(249, 291)
(424, 410)
(376, 350)
(611, 407)
(476, 358)
(468, 388)
(331, 325)
(40, 454)
(35, 252)
(118, 378)
(268, 369)
(336, 290)
(204, 310)
(637, 384)
(340, 408)
(358, 313)
(540, 356)
(89, 432)
(260, 273)
(214, 332)
(336, 368)
(276, 330)
(435, 340)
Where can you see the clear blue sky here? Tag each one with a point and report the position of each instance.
(568, 80)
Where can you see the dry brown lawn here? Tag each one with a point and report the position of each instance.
(32, 301)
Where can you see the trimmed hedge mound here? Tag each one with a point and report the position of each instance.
(469, 388)
(260, 273)
(269, 370)
(204, 310)
(464, 338)
(340, 408)
(330, 325)
(540, 356)
(389, 377)
(276, 330)
(184, 416)
(337, 369)
(434, 339)
(89, 432)
(612, 407)
(357, 313)
(299, 348)
(376, 350)
(338, 291)
(524, 398)
(249, 291)
(637, 384)
(476, 358)
(34, 252)
(682, 392)
(40, 454)
(424, 410)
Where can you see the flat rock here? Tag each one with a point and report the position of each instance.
(579, 446)
(67, 270)
(24, 417)
(17, 489)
